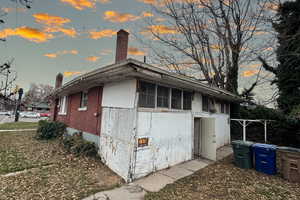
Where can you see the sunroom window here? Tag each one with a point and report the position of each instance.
(187, 100)
(205, 105)
(163, 95)
(147, 95)
(176, 99)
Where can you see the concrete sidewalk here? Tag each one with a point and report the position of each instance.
(158, 180)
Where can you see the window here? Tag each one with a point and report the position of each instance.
(147, 95)
(205, 103)
(153, 95)
(163, 94)
(176, 99)
(63, 105)
(222, 107)
(227, 106)
(84, 100)
(187, 100)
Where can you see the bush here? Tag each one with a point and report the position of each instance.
(78, 146)
(50, 129)
(284, 130)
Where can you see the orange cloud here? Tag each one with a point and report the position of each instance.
(103, 33)
(114, 16)
(80, 4)
(271, 6)
(252, 65)
(50, 55)
(92, 58)
(60, 53)
(50, 20)
(71, 32)
(160, 19)
(250, 73)
(216, 47)
(147, 14)
(260, 33)
(31, 34)
(135, 51)
(54, 24)
(104, 1)
(72, 73)
(106, 52)
(152, 2)
(269, 49)
(8, 10)
(159, 29)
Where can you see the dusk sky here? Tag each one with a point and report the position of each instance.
(65, 36)
(74, 36)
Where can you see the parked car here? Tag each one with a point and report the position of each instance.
(7, 113)
(45, 114)
(29, 115)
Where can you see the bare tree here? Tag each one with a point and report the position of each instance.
(212, 38)
(38, 93)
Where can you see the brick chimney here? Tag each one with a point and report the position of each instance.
(122, 45)
(59, 80)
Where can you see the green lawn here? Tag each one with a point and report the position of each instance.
(52, 173)
(18, 125)
(224, 181)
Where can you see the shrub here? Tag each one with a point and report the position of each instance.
(284, 130)
(50, 129)
(78, 146)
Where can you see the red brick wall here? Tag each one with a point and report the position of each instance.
(88, 120)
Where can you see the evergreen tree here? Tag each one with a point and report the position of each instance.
(287, 73)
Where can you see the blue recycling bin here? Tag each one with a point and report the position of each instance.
(265, 158)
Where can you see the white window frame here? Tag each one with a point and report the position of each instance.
(63, 105)
(84, 108)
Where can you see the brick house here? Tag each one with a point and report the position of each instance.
(141, 117)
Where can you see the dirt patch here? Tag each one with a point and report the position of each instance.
(223, 180)
(66, 177)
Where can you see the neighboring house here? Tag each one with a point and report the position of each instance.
(39, 106)
(144, 118)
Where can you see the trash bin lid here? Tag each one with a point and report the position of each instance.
(290, 149)
(241, 142)
(265, 146)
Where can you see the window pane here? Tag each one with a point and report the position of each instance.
(205, 103)
(162, 97)
(147, 95)
(222, 107)
(227, 108)
(84, 99)
(176, 99)
(65, 104)
(187, 100)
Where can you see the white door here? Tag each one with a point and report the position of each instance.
(208, 133)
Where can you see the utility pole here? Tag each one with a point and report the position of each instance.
(18, 104)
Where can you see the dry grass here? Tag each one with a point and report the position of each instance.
(52, 174)
(18, 125)
(223, 180)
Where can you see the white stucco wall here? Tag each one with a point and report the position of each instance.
(117, 140)
(222, 120)
(170, 142)
(119, 94)
(222, 127)
(170, 133)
